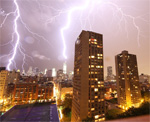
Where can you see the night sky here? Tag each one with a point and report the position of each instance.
(123, 23)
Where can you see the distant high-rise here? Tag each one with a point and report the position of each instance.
(23, 72)
(53, 72)
(88, 83)
(3, 83)
(30, 71)
(60, 74)
(36, 71)
(128, 88)
(109, 71)
(65, 68)
(49, 73)
(110, 77)
(45, 71)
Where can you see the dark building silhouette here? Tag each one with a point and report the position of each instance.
(88, 83)
(2, 68)
(128, 87)
(109, 71)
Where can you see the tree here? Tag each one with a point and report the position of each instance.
(66, 111)
(113, 113)
(145, 95)
(59, 102)
(142, 110)
(67, 105)
(114, 100)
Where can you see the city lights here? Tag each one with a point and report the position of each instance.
(91, 80)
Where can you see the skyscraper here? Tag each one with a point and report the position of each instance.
(30, 71)
(60, 75)
(65, 68)
(45, 72)
(36, 71)
(109, 71)
(128, 87)
(53, 72)
(49, 73)
(88, 83)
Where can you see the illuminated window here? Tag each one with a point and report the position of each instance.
(92, 56)
(99, 46)
(92, 86)
(92, 72)
(96, 89)
(99, 66)
(92, 65)
(99, 57)
(96, 96)
(92, 109)
(96, 116)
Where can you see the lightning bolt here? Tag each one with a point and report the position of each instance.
(68, 24)
(92, 6)
(93, 3)
(16, 37)
(16, 33)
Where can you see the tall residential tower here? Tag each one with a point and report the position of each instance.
(128, 87)
(88, 83)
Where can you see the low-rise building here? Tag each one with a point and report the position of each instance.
(32, 92)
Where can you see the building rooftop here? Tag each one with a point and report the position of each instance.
(32, 112)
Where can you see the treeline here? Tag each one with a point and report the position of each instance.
(142, 110)
(67, 105)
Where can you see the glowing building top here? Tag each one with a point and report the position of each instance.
(65, 68)
(53, 72)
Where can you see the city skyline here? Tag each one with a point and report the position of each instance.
(40, 18)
